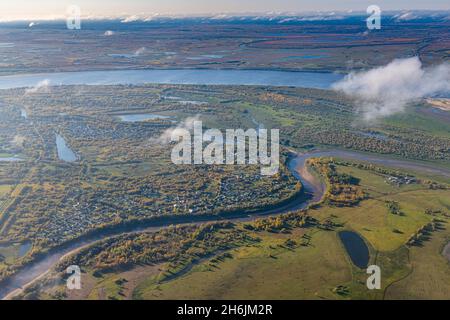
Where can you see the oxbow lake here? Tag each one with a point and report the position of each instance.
(356, 248)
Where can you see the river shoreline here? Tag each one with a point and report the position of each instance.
(41, 72)
(225, 77)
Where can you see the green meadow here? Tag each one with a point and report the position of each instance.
(323, 270)
(309, 263)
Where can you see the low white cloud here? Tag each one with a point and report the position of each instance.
(130, 19)
(141, 18)
(404, 16)
(108, 33)
(387, 90)
(41, 86)
(220, 17)
(139, 51)
(186, 124)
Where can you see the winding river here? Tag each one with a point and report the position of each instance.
(313, 192)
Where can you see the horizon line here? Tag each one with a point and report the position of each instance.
(147, 17)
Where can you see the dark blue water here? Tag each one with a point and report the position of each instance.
(356, 248)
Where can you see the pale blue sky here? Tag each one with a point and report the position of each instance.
(14, 9)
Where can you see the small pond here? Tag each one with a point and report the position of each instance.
(356, 248)
(25, 248)
(64, 152)
(19, 249)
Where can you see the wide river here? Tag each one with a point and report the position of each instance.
(175, 76)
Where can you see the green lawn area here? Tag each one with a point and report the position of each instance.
(423, 122)
(265, 271)
(429, 277)
(371, 218)
(268, 271)
(9, 253)
(271, 269)
(5, 155)
(5, 189)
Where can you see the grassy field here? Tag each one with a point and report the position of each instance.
(5, 189)
(11, 252)
(250, 273)
(429, 275)
(423, 122)
(314, 272)
(270, 269)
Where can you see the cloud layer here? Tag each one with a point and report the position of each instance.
(139, 51)
(387, 90)
(41, 86)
